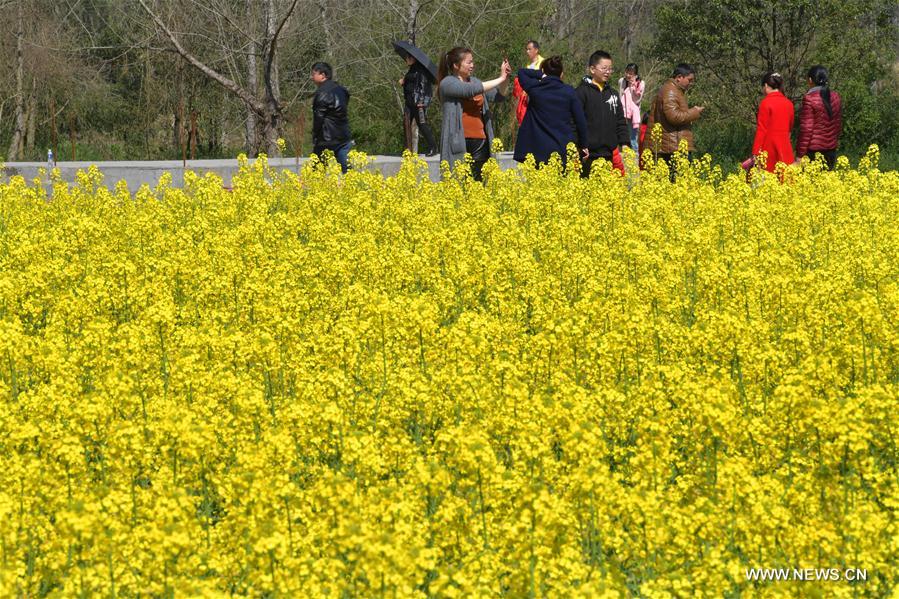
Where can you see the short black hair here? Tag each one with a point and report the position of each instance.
(535, 43)
(552, 66)
(323, 68)
(683, 70)
(597, 56)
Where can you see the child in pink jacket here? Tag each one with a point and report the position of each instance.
(632, 87)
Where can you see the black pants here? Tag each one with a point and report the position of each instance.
(672, 167)
(480, 154)
(587, 163)
(416, 114)
(830, 157)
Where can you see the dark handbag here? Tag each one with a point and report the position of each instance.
(478, 148)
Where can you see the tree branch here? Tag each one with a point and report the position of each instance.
(269, 50)
(228, 84)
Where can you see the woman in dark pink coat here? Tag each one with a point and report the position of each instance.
(820, 119)
(775, 121)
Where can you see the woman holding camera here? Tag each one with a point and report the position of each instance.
(632, 87)
(467, 127)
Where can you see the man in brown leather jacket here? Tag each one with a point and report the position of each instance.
(671, 111)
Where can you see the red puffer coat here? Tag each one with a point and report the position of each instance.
(817, 131)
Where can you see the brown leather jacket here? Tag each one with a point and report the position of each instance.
(670, 109)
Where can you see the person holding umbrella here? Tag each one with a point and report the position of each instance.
(417, 92)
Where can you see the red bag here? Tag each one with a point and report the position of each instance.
(617, 161)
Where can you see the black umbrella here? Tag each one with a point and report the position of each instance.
(405, 49)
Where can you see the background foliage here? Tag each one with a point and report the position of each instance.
(106, 78)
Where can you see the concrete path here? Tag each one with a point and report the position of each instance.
(136, 173)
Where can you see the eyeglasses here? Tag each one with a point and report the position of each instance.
(603, 69)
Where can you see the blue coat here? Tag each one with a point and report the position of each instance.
(547, 125)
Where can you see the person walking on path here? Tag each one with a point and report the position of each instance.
(532, 50)
(607, 129)
(417, 94)
(552, 108)
(671, 111)
(330, 123)
(632, 87)
(775, 121)
(467, 126)
(820, 119)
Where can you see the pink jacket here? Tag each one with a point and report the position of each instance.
(630, 100)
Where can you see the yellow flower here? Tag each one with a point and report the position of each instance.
(544, 385)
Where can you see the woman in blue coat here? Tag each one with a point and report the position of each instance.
(555, 116)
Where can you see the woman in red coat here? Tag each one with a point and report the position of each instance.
(775, 121)
(820, 119)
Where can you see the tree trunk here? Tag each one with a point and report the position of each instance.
(179, 105)
(144, 84)
(600, 16)
(223, 121)
(54, 140)
(15, 145)
(72, 134)
(194, 134)
(273, 126)
(30, 119)
(896, 28)
(270, 33)
(272, 121)
(563, 21)
(326, 28)
(630, 27)
(412, 21)
(181, 132)
(251, 126)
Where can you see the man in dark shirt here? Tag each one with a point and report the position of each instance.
(330, 124)
(607, 129)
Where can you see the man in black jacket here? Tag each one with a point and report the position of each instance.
(330, 124)
(606, 126)
(417, 94)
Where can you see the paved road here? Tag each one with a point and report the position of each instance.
(136, 173)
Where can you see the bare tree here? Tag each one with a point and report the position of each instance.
(265, 106)
(252, 80)
(15, 145)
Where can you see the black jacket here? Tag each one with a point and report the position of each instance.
(417, 87)
(330, 125)
(606, 126)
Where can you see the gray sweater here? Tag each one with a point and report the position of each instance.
(452, 137)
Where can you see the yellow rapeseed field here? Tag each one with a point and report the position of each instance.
(326, 386)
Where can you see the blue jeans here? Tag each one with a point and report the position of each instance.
(635, 139)
(340, 154)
